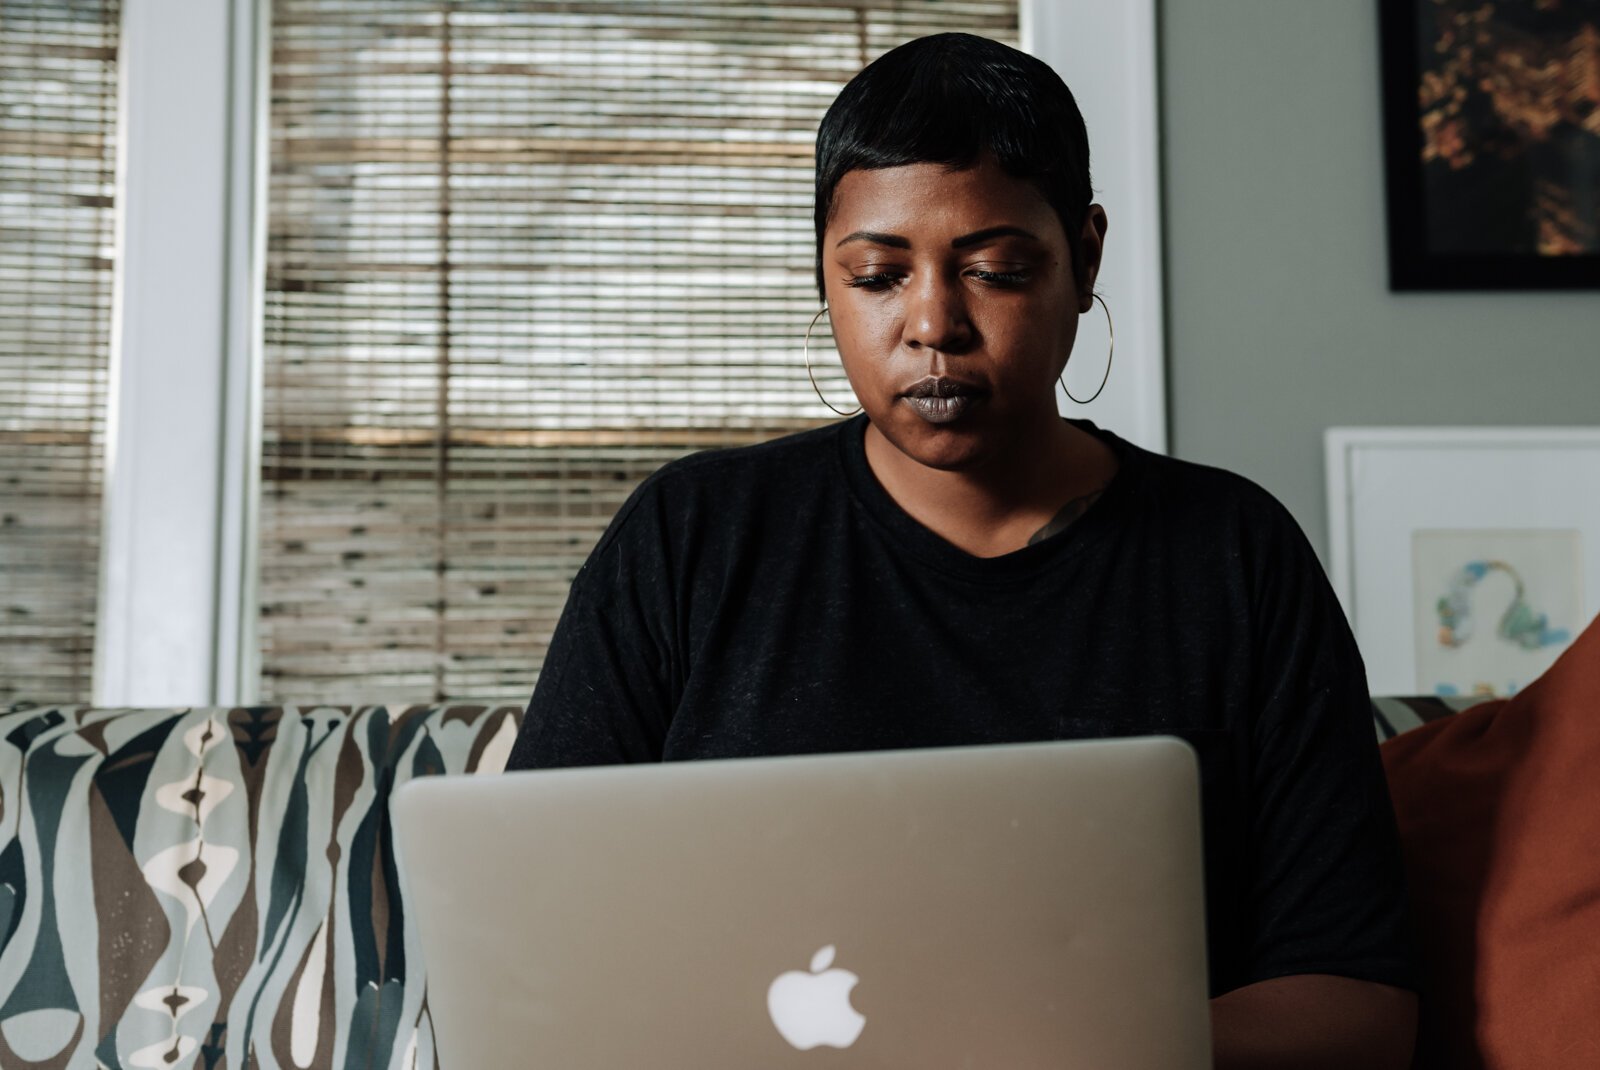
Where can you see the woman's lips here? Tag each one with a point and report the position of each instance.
(941, 399)
(941, 410)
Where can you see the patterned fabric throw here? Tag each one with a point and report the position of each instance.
(1394, 715)
(216, 888)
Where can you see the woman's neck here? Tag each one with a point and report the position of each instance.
(1033, 488)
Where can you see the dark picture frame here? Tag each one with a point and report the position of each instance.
(1492, 158)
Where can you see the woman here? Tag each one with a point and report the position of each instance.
(958, 564)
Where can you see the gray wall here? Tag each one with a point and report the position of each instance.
(1280, 321)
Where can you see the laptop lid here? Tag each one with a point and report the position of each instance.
(1022, 905)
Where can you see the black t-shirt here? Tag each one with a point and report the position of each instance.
(774, 599)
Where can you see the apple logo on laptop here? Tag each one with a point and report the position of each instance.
(814, 1008)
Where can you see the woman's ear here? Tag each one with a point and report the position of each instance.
(1091, 245)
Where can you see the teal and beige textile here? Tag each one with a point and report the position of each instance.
(1392, 715)
(216, 888)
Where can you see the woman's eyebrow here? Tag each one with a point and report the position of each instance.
(977, 237)
(877, 238)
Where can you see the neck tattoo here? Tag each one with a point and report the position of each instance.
(1063, 519)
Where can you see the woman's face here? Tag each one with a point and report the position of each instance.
(954, 306)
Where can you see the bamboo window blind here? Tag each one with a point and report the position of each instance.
(520, 255)
(58, 111)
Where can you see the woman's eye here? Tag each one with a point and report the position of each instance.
(1001, 278)
(880, 281)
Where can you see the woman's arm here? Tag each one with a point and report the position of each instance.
(1312, 1021)
(606, 693)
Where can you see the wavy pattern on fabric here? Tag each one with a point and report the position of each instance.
(1392, 715)
(217, 888)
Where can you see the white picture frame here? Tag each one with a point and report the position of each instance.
(1418, 516)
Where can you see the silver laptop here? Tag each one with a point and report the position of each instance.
(1018, 906)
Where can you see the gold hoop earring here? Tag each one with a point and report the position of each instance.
(1111, 352)
(805, 353)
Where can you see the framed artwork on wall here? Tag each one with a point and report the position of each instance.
(1492, 143)
(1466, 559)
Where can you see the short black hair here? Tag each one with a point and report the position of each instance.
(948, 99)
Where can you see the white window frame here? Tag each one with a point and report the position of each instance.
(176, 618)
(178, 583)
(1107, 54)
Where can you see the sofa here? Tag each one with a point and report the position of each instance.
(217, 888)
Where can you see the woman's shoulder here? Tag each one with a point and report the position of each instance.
(729, 488)
(730, 480)
(800, 453)
(1206, 507)
(1209, 486)
(1205, 490)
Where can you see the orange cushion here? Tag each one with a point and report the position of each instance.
(1499, 812)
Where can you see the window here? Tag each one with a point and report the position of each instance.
(519, 255)
(58, 109)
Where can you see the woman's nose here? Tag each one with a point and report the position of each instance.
(936, 316)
